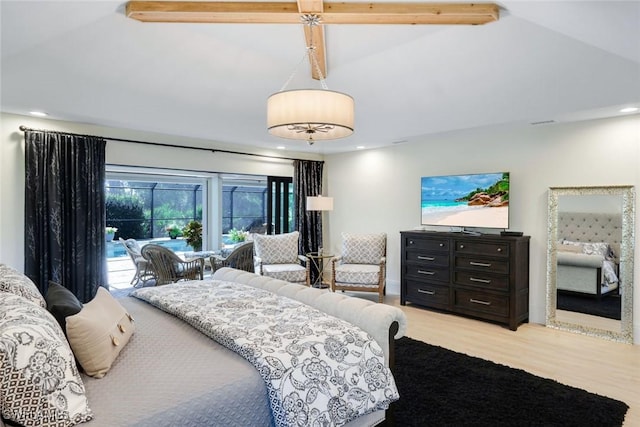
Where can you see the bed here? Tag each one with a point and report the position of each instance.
(171, 374)
(587, 251)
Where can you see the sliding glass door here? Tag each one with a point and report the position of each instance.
(280, 205)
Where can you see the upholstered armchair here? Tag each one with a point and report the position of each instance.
(362, 264)
(240, 258)
(168, 267)
(276, 255)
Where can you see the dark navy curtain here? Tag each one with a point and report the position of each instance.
(307, 181)
(65, 211)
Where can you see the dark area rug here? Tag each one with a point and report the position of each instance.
(608, 306)
(439, 387)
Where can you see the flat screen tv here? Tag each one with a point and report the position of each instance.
(474, 200)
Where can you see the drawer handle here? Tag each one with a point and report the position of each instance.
(425, 258)
(411, 242)
(461, 246)
(499, 249)
(479, 264)
(422, 291)
(441, 245)
(473, 279)
(477, 301)
(428, 273)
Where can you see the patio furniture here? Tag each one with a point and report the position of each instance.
(144, 271)
(169, 267)
(241, 258)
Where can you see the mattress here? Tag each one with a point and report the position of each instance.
(170, 374)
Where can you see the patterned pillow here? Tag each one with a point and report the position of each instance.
(363, 248)
(596, 248)
(11, 280)
(99, 332)
(39, 381)
(278, 248)
(592, 248)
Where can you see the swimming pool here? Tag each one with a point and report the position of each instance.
(115, 249)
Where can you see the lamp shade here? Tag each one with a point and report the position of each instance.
(319, 203)
(310, 114)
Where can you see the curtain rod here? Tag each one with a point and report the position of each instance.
(161, 144)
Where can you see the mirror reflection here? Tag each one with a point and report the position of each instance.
(590, 260)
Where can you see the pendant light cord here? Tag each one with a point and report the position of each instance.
(310, 20)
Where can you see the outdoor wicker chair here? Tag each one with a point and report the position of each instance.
(241, 258)
(169, 267)
(144, 271)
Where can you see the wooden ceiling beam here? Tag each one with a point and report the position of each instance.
(334, 13)
(329, 13)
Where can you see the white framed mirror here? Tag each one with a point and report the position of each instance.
(590, 244)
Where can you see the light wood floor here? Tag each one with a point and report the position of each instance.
(596, 365)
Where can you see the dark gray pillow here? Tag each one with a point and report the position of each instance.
(61, 302)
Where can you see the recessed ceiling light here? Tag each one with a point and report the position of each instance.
(38, 113)
(629, 110)
(281, 147)
(360, 147)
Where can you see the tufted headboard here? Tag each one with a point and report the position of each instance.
(591, 227)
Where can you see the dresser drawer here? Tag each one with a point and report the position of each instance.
(481, 302)
(484, 248)
(431, 295)
(427, 273)
(433, 245)
(485, 281)
(493, 265)
(428, 259)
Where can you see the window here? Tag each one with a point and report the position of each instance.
(145, 207)
(244, 206)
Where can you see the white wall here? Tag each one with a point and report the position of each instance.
(379, 190)
(117, 153)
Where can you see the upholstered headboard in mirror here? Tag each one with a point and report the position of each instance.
(591, 228)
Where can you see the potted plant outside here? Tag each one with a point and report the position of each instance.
(238, 236)
(192, 233)
(173, 231)
(110, 233)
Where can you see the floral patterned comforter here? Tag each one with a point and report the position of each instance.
(319, 370)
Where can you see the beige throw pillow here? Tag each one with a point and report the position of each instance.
(570, 248)
(99, 332)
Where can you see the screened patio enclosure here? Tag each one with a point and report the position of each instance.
(146, 207)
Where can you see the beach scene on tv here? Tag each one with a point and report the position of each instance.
(476, 200)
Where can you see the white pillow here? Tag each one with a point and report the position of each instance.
(99, 332)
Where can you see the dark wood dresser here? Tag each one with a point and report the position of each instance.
(484, 276)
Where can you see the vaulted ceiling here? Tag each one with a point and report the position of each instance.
(88, 62)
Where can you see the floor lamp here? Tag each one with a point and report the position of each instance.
(321, 204)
